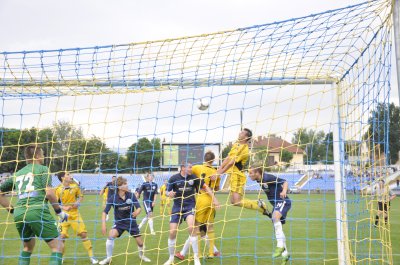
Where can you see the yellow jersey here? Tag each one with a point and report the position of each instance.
(205, 172)
(68, 196)
(163, 192)
(240, 153)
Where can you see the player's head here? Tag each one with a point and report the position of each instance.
(122, 184)
(34, 154)
(256, 171)
(186, 168)
(245, 135)
(65, 177)
(209, 157)
(149, 177)
(113, 178)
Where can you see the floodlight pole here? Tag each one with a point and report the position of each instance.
(396, 30)
(340, 188)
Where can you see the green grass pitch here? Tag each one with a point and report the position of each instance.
(244, 236)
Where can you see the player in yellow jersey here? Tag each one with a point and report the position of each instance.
(70, 196)
(205, 212)
(233, 165)
(165, 200)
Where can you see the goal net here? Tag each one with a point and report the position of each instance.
(314, 90)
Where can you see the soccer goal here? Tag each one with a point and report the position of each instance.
(314, 91)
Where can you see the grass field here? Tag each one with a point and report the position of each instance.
(245, 236)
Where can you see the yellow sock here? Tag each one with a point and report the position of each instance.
(88, 246)
(249, 204)
(211, 242)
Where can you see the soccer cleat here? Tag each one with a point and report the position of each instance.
(153, 233)
(179, 256)
(285, 259)
(144, 258)
(278, 252)
(217, 254)
(263, 206)
(105, 261)
(94, 261)
(170, 261)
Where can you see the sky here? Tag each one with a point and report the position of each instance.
(41, 25)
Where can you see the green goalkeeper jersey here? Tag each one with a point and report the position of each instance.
(30, 185)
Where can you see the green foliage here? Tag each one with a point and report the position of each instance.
(225, 151)
(385, 119)
(144, 155)
(317, 145)
(286, 156)
(65, 148)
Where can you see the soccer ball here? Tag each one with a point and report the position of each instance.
(203, 104)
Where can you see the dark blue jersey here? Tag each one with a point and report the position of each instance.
(123, 208)
(185, 188)
(112, 187)
(149, 189)
(272, 186)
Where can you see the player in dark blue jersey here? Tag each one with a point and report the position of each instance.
(276, 190)
(150, 191)
(183, 187)
(126, 208)
(108, 191)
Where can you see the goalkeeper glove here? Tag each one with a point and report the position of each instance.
(62, 216)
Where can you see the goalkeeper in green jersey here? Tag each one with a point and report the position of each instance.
(32, 216)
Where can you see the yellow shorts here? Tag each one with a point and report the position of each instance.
(237, 182)
(165, 201)
(205, 211)
(76, 223)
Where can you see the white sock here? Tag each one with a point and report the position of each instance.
(143, 222)
(206, 243)
(171, 247)
(109, 248)
(193, 241)
(185, 247)
(140, 251)
(280, 236)
(285, 252)
(151, 225)
(215, 249)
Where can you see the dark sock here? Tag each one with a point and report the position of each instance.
(24, 258)
(55, 258)
(376, 220)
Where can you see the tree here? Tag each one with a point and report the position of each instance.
(226, 150)
(312, 142)
(286, 156)
(384, 120)
(144, 155)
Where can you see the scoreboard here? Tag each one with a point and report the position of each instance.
(174, 154)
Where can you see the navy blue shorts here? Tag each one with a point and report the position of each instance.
(283, 208)
(148, 207)
(180, 214)
(131, 228)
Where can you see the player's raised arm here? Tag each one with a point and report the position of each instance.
(170, 193)
(6, 187)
